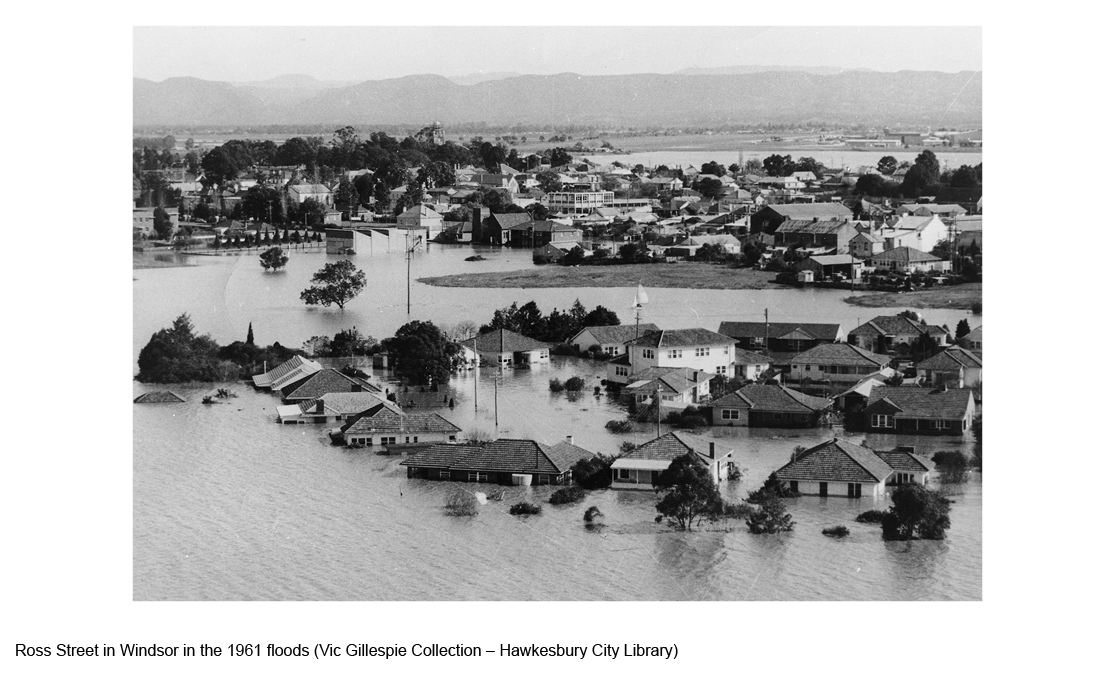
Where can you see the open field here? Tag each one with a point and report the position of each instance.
(952, 296)
(686, 275)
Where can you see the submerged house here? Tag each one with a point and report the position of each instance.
(886, 333)
(505, 348)
(837, 363)
(322, 382)
(639, 469)
(837, 468)
(294, 369)
(673, 387)
(909, 467)
(782, 336)
(772, 406)
(919, 411)
(393, 429)
(514, 462)
(329, 407)
(954, 366)
(610, 338)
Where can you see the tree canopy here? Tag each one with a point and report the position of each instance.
(335, 283)
(422, 353)
(273, 259)
(917, 513)
(177, 355)
(688, 493)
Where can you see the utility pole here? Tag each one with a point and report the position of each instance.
(658, 405)
(496, 379)
(766, 330)
(410, 255)
(476, 385)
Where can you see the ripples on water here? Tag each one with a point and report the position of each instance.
(229, 504)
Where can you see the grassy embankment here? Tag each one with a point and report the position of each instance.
(681, 275)
(951, 296)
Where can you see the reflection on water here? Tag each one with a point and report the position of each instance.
(229, 504)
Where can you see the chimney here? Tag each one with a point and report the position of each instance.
(320, 406)
(569, 438)
(712, 450)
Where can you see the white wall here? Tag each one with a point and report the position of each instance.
(720, 360)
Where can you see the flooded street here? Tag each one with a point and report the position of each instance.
(228, 504)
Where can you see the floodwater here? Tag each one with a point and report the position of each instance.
(832, 158)
(229, 505)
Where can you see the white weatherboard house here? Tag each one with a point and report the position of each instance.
(639, 469)
(837, 468)
(610, 338)
(696, 348)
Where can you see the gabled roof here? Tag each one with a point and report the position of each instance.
(672, 379)
(832, 260)
(913, 222)
(951, 358)
(343, 404)
(293, 369)
(158, 397)
(777, 330)
(905, 255)
(840, 354)
(907, 461)
(390, 418)
(613, 334)
(911, 402)
(893, 325)
(520, 456)
(325, 381)
(310, 189)
(836, 460)
(807, 211)
(682, 338)
(508, 220)
(778, 398)
(660, 452)
(503, 341)
(542, 225)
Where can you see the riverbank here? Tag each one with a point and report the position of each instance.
(164, 259)
(951, 296)
(683, 275)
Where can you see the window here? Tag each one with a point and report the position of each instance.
(882, 421)
(444, 474)
(729, 414)
(648, 353)
(452, 438)
(793, 487)
(478, 476)
(391, 440)
(669, 398)
(820, 368)
(702, 352)
(807, 367)
(383, 441)
(722, 369)
(407, 440)
(855, 490)
(415, 440)
(942, 424)
(674, 354)
(625, 474)
(621, 371)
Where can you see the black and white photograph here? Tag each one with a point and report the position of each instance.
(551, 314)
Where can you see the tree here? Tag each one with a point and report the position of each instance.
(887, 165)
(273, 259)
(713, 168)
(538, 211)
(752, 166)
(918, 181)
(574, 257)
(163, 226)
(600, 317)
(709, 188)
(251, 340)
(549, 181)
(219, 166)
(928, 162)
(962, 329)
(688, 492)
(629, 252)
(964, 178)
(177, 354)
(335, 283)
(776, 165)
(422, 353)
(560, 157)
(917, 513)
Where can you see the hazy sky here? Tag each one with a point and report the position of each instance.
(246, 54)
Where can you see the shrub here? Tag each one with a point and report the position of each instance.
(592, 513)
(953, 466)
(977, 308)
(595, 472)
(770, 517)
(619, 425)
(627, 446)
(567, 495)
(525, 508)
(917, 513)
(556, 386)
(736, 511)
(691, 417)
(734, 473)
(772, 486)
(461, 504)
(835, 531)
(871, 516)
(572, 384)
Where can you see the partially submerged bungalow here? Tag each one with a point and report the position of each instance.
(159, 397)
(514, 462)
(324, 381)
(836, 468)
(394, 430)
(640, 469)
(504, 347)
(769, 406)
(294, 369)
(328, 407)
(919, 411)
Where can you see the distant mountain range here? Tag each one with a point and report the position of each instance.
(713, 98)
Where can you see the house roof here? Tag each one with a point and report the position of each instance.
(672, 379)
(772, 398)
(811, 227)
(325, 381)
(894, 325)
(521, 456)
(912, 222)
(613, 334)
(508, 220)
(682, 338)
(807, 211)
(390, 418)
(832, 260)
(310, 189)
(660, 452)
(910, 402)
(906, 461)
(951, 358)
(746, 357)
(503, 341)
(905, 255)
(777, 330)
(542, 225)
(836, 460)
(840, 354)
(296, 367)
(338, 404)
(158, 397)
(870, 238)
